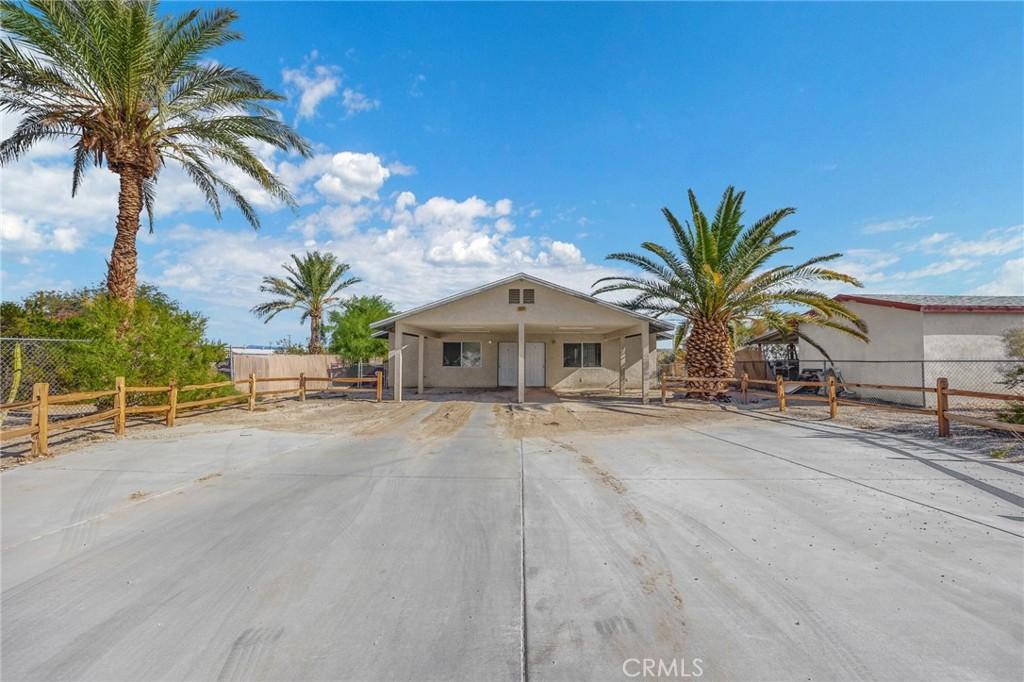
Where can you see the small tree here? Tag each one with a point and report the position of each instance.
(1013, 374)
(312, 286)
(350, 328)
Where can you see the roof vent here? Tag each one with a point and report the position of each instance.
(527, 295)
(513, 296)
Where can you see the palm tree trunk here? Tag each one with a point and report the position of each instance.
(709, 353)
(315, 322)
(124, 258)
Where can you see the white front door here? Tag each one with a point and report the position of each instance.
(534, 364)
(508, 361)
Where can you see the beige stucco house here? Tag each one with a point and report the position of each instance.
(915, 339)
(519, 332)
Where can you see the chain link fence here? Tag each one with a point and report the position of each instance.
(988, 376)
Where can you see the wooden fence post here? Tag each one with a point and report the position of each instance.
(942, 404)
(120, 404)
(743, 387)
(664, 389)
(302, 386)
(172, 402)
(833, 403)
(780, 391)
(41, 419)
(252, 391)
(380, 385)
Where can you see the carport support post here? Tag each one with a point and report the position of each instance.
(780, 392)
(419, 363)
(396, 362)
(645, 355)
(622, 365)
(119, 405)
(942, 404)
(521, 363)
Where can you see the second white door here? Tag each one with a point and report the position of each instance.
(534, 364)
(508, 363)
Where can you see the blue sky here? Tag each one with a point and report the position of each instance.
(457, 144)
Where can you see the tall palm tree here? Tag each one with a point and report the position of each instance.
(312, 286)
(131, 89)
(719, 278)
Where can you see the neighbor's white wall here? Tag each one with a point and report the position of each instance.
(895, 333)
(967, 336)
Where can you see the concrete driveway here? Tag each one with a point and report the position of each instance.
(551, 542)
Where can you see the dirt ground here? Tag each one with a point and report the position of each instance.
(545, 416)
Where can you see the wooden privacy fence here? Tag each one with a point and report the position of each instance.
(40, 426)
(942, 391)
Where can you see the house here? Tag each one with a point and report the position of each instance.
(520, 332)
(915, 339)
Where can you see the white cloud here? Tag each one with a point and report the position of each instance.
(67, 239)
(356, 102)
(399, 168)
(896, 224)
(312, 83)
(564, 253)
(940, 267)
(992, 243)
(18, 234)
(352, 176)
(1009, 280)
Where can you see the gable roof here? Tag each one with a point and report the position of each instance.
(941, 304)
(656, 324)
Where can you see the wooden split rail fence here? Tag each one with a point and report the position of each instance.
(40, 426)
(942, 391)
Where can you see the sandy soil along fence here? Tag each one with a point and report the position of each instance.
(33, 418)
(828, 391)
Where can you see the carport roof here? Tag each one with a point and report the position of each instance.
(387, 323)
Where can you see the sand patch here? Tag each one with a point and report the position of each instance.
(447, 420)
(551, 420)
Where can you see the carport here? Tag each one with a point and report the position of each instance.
(521, 332)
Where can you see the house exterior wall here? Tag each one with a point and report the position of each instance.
(915, 348)
(435, 375)
(491, 307)
(498, 320)
(893, 356)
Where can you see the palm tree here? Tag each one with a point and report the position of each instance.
(131, 89)
(312, 286)
(719, 279)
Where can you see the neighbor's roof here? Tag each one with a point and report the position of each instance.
(941, 304)
(656, 324)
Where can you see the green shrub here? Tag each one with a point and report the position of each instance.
(1013, 341)
(148, 344)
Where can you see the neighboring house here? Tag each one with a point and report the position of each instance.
(915, 339)
(517, 332)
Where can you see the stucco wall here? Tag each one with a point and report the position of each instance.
(435, 375)
(913, 348)
(491, 307)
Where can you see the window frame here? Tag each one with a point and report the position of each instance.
(462, 354)
(580, 345)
